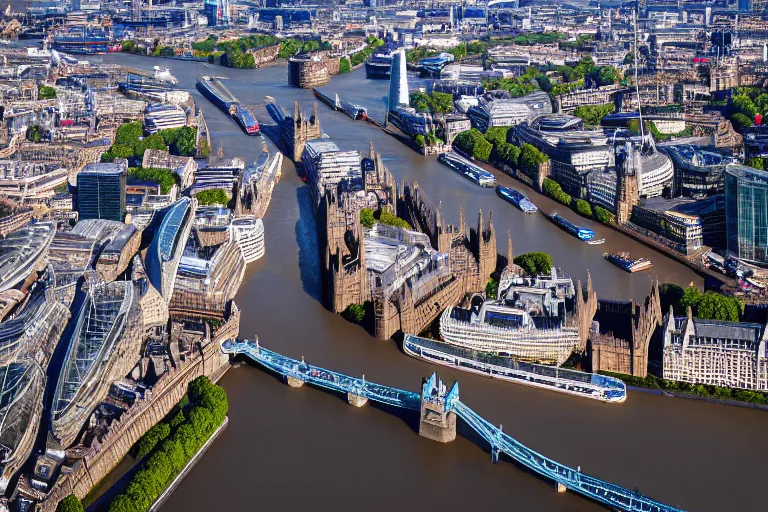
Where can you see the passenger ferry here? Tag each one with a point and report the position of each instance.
(572, 382)
(516, 198)
(624, 262)
(581, 233)
(468, 169)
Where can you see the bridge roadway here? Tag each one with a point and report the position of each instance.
(564, 477)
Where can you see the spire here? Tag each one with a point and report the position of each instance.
(689, 312)
(462, 221)
(314, 113)
(373, 153)
(296, 112)
(510, 253)
(589, 285)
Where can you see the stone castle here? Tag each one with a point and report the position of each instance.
(419, 299)
(621, 334)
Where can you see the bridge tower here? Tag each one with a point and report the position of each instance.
(437, 421)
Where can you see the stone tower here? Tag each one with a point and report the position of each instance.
(304, 130)
(437, 421)
(627, 192)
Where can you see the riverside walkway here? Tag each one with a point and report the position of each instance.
(436, 399)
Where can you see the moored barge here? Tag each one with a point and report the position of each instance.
(624, 262)
(468, 170)
(516, 198)
(583, 234)
(216, 93)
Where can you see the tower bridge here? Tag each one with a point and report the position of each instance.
(439, 407)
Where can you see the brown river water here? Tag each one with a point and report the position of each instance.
(296, 449)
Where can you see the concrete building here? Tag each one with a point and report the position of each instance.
(731, 354)
(498, 108)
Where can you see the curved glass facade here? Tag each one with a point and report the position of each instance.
(746, 209)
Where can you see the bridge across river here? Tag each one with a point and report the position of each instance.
(439, 408)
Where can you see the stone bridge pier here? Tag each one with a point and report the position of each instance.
(437, 421)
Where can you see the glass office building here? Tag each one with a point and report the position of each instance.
(101, 191)
(746, 208)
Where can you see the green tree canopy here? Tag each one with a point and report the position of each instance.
(70, 504)
(535, 263)
(593, 114)
(531, 158)
(163, 177)
(46, 92)
(508, 153)
(213, 196)
(744, 104)
(583, 208)
(711, 305)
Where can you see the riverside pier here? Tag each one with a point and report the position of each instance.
(439, 408)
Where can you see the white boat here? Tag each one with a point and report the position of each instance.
(596, 242)
(165, 75)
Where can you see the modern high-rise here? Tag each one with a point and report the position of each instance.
(746, 212)
(398, 81)
(101, 191)
(217, 12)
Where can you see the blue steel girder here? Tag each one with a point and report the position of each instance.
(591, 487)
(598, 490)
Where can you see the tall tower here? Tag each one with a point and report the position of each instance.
(398, 81)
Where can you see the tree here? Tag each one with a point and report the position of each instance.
(344, 65)
(593, 114)
(366, 218)
(385, 217)
(154, 141)
(492, 289)
(531, 158)
(122, 503)
(482, 150)
(604, 215)
(535, 263)
(141, 497)
(607, 75)
(552, 189)
(163, 177)
(508, 153)
(670, 295)
(202, 422)
(70, 504)
(583, 208)
(711, 305)
(743, 103)
(757, 162)
(185, 434)
(129, 133)
(497, 135)
(419, 140)
(354, 313)
(45, 92)
(150, 439)
(213, 196)
(740, 121)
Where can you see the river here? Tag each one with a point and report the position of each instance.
(289, 449)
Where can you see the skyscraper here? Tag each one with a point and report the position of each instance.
(101, 191)
(398, 81)
(746, 212)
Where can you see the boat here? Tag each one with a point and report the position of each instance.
(378, 65)
(83, 39)
(596, 241)
(216, 93)
(516, 198)
(572, 382)
(583, 234)
(624, 262)
(164, 75)
(468, 169)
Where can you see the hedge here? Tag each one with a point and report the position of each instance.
(213, 196)
(163, 177)
(206, 412)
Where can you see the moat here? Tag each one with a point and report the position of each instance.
(283, 442)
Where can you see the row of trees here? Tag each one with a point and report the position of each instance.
(553, 189)
(368, 218)
(709, 305)
(213, 196)
(188, 431)
(473, 143)
(358, 58)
